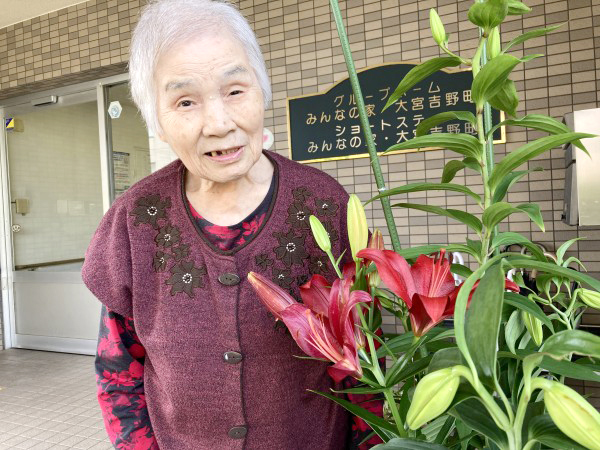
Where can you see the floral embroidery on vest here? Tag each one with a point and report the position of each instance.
(150, 210)
(291, 248)
(291, 251)
(185, 276)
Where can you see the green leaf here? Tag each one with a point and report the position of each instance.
(447, 357)
(414, 252)
(530, 35)
(465, 144)
(491, 77)
(452, 167)
(510, 238)
(419, 73)
(461, 270)
(566, 342)
(408, 444)
(506, 99)
(360, 390)
(483, 321)
(534, 213)
(445, 430)
(538, 122)
(516, 8)
(409, 371)
(529, 306)
(542, 429)
(497, 212)
(474, 414)
(419, 187)
(560, 253)
(570, 369)
(529, 151)
(377, 423)
(427, 124)
(553, 269)
(433, 428)
(468, 219)
(488, 14)
(513, 329)
(508, 181)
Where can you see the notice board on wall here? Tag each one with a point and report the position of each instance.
(325, 126)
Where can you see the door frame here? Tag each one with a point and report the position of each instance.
(7, 274)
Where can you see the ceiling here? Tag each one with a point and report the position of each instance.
(12, 11)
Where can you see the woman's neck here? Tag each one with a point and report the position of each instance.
(229, 203)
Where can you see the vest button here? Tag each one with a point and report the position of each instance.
(237, 432)
(232, 357)
(229, 279)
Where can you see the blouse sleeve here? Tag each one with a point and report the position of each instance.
(120, 379)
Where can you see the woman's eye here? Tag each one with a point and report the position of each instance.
(236, 92)
(185, 103)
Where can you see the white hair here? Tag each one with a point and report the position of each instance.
(164, 23)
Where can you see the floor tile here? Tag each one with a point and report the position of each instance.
(39, 408)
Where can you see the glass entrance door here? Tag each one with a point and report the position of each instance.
(55, 194)
(66, 158)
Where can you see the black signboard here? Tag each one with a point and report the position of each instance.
(325, 126)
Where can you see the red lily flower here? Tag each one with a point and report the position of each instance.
(427, 288)
(324, 326)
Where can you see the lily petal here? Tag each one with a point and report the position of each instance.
(311, 333)
(426, 312)
(432, 275)
(315, 294)
(349, 366)
(394, 271)
(272, 296)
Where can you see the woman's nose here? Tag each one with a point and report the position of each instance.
(217, 118)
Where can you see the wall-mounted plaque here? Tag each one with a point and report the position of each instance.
(325, 126)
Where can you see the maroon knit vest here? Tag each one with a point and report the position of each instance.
(191, 304)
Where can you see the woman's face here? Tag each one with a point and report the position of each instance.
(210, 107)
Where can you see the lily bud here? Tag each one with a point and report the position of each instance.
(572, 414)
(534, 326)
(437, 28)
(320, 234)
(493, 43)
(375, 242)
(590, 298)
(433, 395)
(358, 231)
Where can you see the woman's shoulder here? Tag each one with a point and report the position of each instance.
(163, 183)
(296, 173)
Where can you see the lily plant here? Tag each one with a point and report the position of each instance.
(493, 377)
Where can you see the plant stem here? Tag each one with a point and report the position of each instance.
(507, 404)
(529, 444)
(333, 263)
(487, 126)
(389, 396)
(521, 410)
(374, 362)
(364, 121)
(486, 398)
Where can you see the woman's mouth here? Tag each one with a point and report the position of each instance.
(225, 155)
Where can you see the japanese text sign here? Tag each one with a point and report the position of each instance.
(326, 126)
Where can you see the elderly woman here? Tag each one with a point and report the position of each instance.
(188, 357)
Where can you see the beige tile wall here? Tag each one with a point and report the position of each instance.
(301, 48)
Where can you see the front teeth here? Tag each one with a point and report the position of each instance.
(225, 152)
